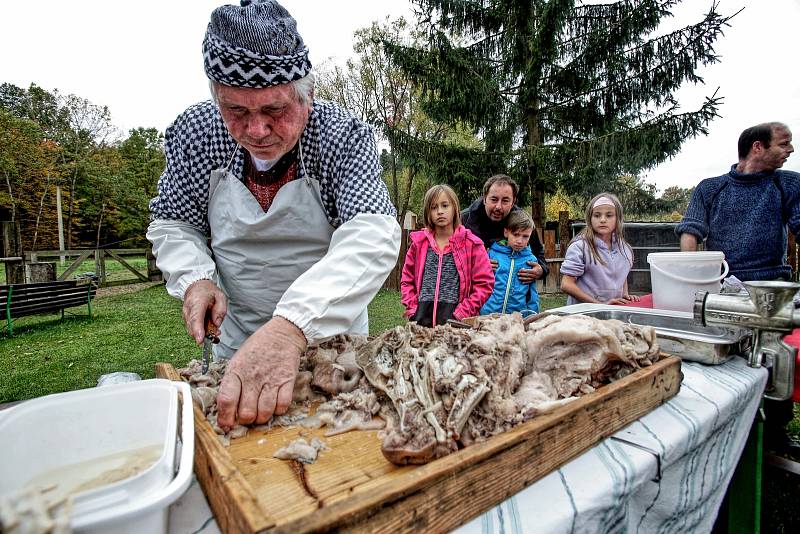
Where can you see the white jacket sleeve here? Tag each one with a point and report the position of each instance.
(327, 298)
(181, 254)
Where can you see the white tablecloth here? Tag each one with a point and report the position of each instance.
(666, 472)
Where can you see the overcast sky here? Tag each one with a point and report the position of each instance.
(143, 60)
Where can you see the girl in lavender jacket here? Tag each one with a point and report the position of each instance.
(446, 274)
(598, 260)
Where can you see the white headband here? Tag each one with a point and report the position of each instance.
(602, 201)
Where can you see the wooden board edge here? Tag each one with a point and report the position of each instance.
(221, 481)
(374, 510)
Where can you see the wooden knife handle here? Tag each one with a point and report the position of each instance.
(211, 328)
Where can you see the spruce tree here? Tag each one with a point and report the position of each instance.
(561, 92)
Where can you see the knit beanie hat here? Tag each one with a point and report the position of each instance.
(255, 45)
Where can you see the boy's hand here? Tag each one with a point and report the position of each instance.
(494, 263)
(528, 276)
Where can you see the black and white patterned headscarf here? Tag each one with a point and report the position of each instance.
(255, 45)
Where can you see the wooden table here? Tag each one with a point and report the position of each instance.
(669, 466)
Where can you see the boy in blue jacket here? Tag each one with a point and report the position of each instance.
(512, 253)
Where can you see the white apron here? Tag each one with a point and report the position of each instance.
(259, 255)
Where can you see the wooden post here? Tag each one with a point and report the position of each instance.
(153, 272)
(12, 239)
(563, 232)
(551, 283)
(12, 248)
(100, 266)
(60, 217)
(554, 278)
(39, 272)
(549, 243)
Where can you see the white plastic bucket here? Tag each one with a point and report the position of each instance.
(43, 435)
(677, 276)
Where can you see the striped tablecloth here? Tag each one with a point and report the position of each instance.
(666, 472)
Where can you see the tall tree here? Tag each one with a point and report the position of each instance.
(677, 197)
(561, 92)
(373, 87)
(79, 128)
(90, 133)
(143, 161)
(28, 171)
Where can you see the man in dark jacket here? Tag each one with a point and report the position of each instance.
(486, 218)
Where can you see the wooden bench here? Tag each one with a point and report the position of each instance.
(19, 300)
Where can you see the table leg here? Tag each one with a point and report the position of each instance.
(742, 504)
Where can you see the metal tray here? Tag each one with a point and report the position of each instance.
(677, 332)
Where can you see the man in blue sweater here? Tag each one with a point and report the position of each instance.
(745, 214)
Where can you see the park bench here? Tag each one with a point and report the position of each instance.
(19, 300)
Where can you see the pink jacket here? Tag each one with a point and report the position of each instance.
(472, 264)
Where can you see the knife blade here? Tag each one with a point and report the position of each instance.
(211, 338)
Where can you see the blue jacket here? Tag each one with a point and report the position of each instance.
(509, 293)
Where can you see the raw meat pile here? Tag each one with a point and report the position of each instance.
(451, 387)
(327, 374)
(444, 388)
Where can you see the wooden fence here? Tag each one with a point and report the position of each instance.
(75, 258)
(554, 243)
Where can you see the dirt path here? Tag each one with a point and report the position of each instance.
(121, 290)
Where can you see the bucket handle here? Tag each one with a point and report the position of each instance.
(689, 280)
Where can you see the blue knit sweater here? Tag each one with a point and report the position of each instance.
(746, 216)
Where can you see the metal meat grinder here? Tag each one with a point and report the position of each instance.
(768, 310)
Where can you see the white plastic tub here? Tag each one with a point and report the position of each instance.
(677, 276)
(69, 437)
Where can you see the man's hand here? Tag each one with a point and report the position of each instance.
(199, 297)
(528, 276)
(494, 263)
(260, 377)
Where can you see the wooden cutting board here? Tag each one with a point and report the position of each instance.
(353, 488)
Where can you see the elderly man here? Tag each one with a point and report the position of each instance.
(271, 215)
(487, 216)
(745, 214)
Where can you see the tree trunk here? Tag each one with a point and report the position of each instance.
(11, 196)
(71, 204)
(100, 224)
(39, 214)
(396, 190)
(412, 173)
(536, 190)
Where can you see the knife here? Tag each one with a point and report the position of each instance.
(212, 337)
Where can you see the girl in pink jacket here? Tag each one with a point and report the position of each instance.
(446, 274)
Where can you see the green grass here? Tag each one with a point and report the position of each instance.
(130, 332)
(385, 311)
